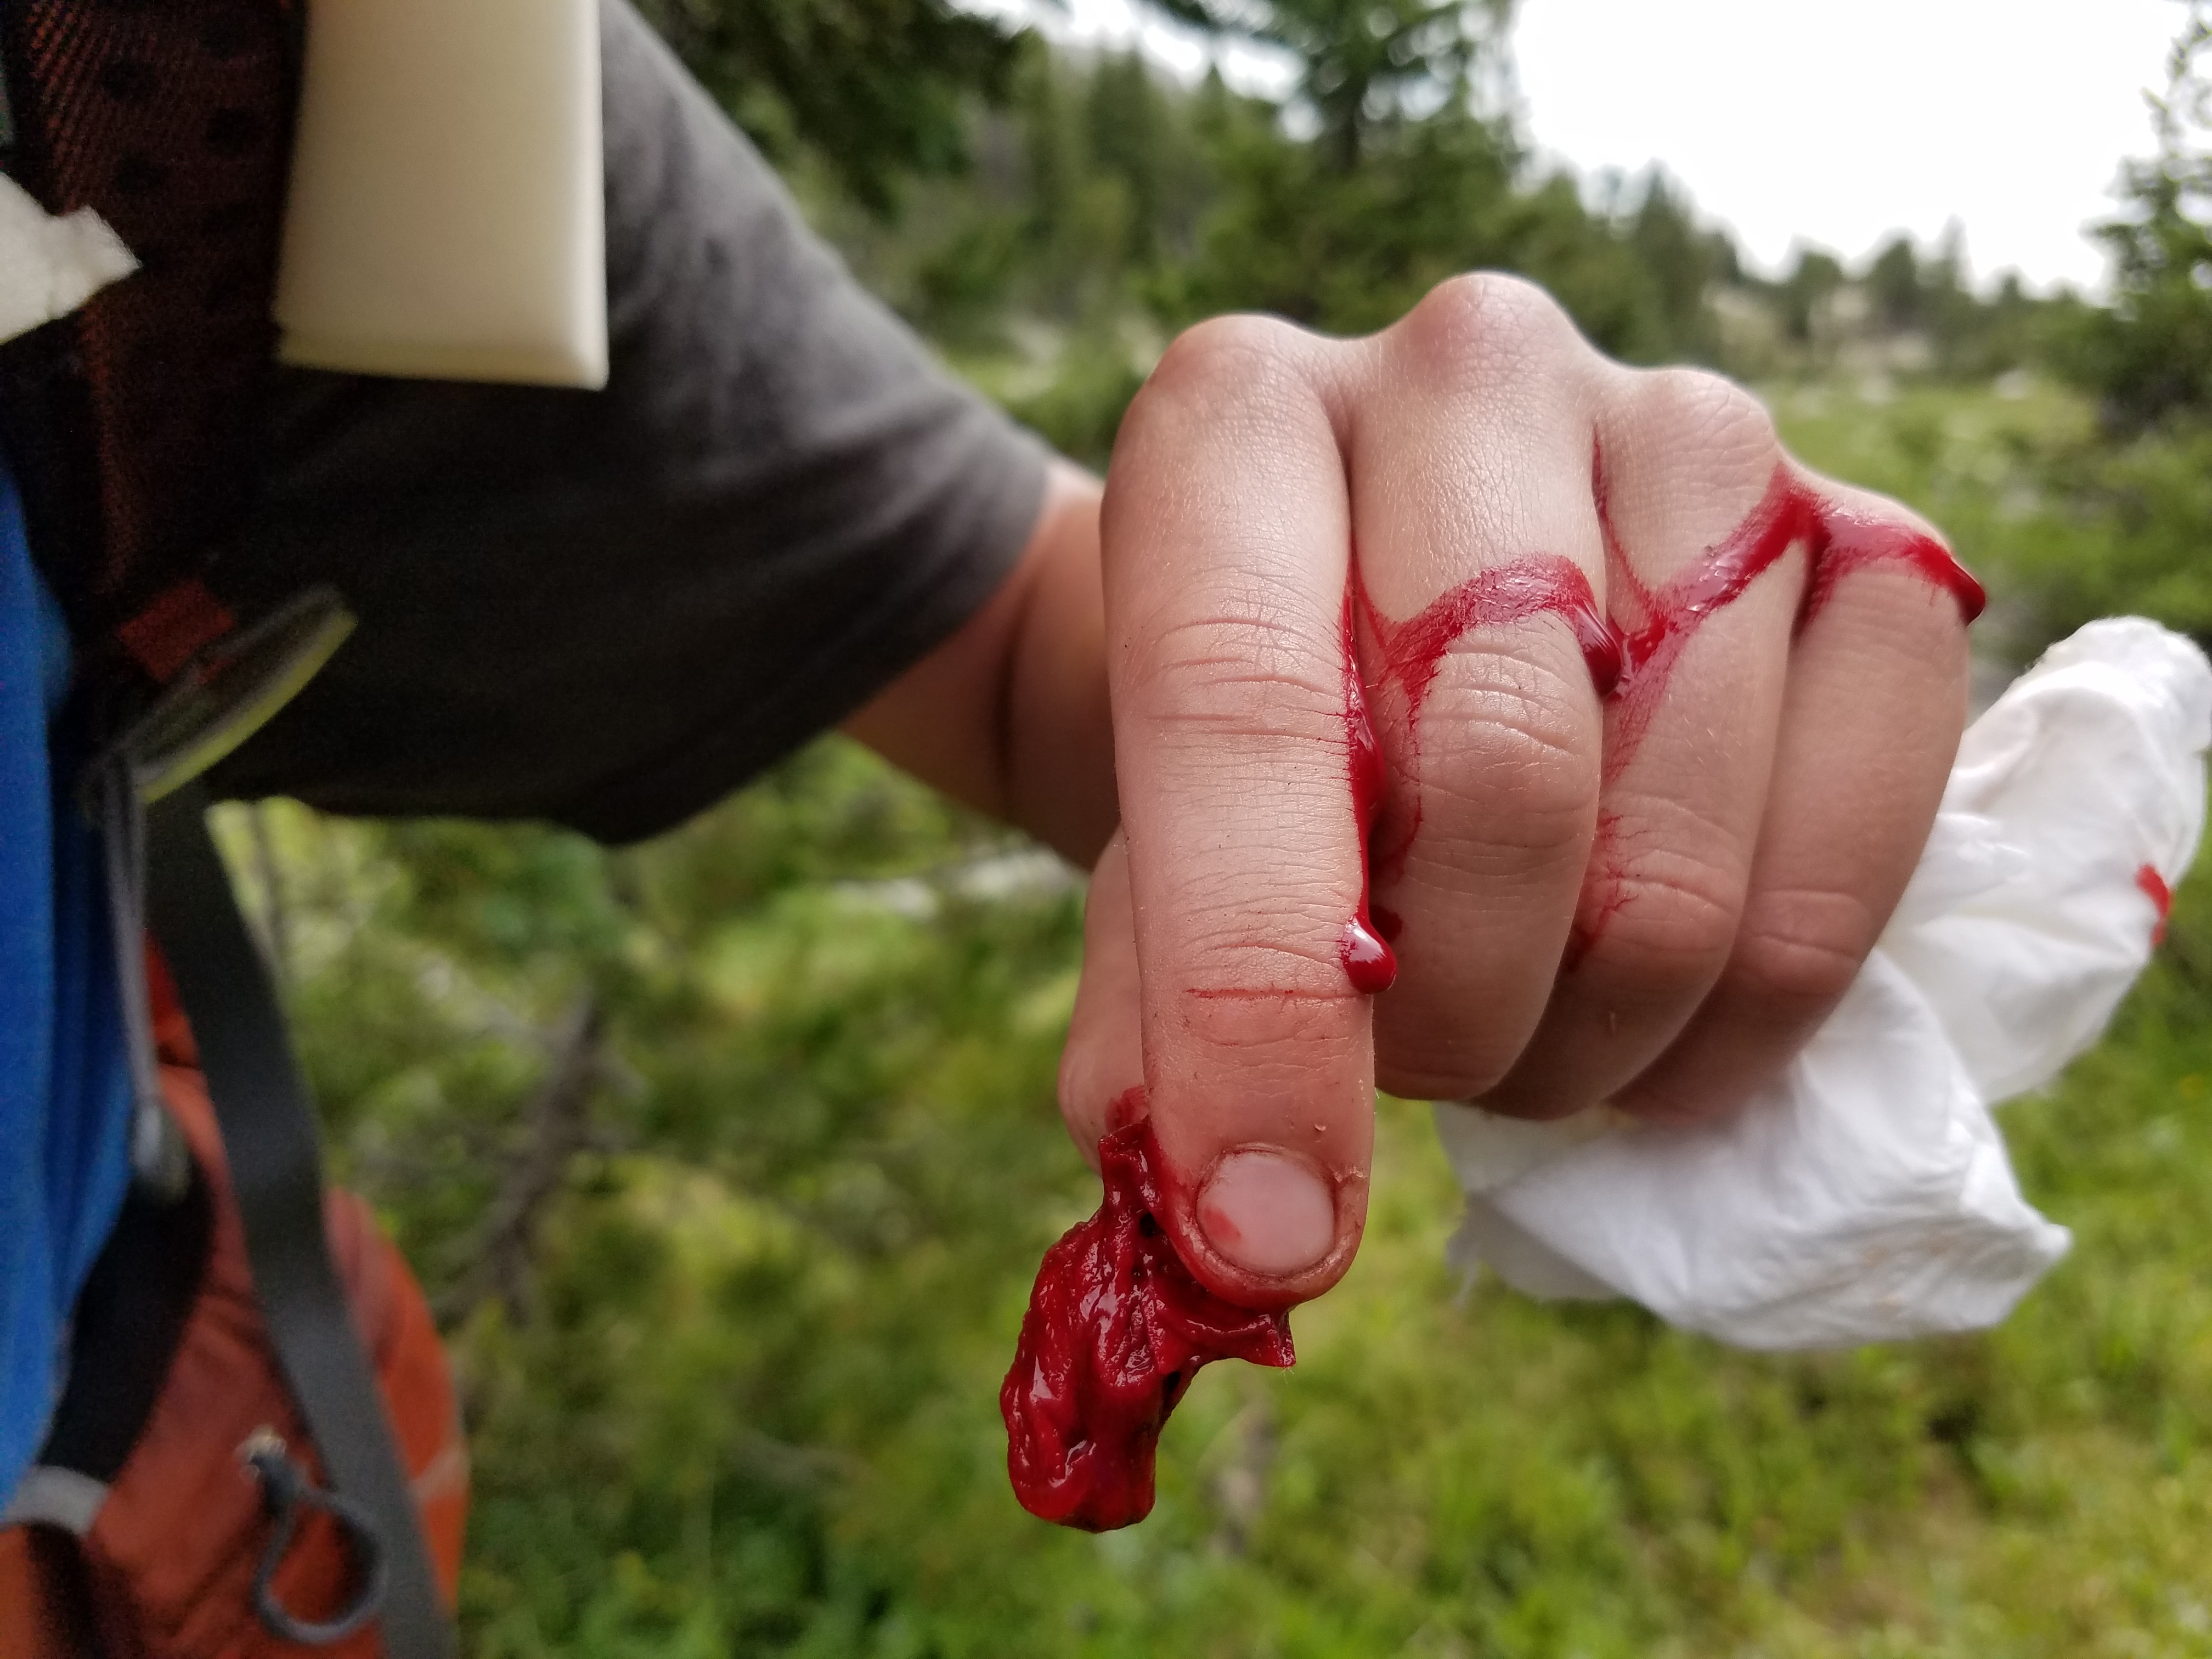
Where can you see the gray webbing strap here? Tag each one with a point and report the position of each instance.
(269, 1137)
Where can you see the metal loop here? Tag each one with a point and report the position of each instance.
(287, 1491)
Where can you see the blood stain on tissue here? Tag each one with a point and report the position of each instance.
(1631, 647)
(2161, 896)
(1116, 1328)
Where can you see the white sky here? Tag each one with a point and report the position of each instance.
(1834, 122)
(1840, 121)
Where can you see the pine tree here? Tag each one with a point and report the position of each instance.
(2149, 357)
(879, 89)
(1365, 64)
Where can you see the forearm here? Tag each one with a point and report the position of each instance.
(1010, 715)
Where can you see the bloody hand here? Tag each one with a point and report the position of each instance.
(1491, 721)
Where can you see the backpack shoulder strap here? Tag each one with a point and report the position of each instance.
(133, 426)
(270, 1139)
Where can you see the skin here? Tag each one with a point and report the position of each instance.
(1181, 629)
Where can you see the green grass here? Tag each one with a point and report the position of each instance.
(744, 1401)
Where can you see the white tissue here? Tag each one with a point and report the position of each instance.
(1866, 1196)
(50, 266)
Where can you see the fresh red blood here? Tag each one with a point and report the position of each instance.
(1115, 1330)
(1837, 542)
(2155, 889)
(1408, 653)
(1632, 653)
(1369, 962)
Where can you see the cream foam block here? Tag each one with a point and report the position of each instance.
(446, 220)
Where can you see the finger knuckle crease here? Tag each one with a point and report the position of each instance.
(1250, 667)
(1802, 948)
(1673, 915)
(1508, 727)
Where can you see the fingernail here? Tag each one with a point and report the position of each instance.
(1267, 1213)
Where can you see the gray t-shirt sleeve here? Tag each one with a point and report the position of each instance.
(608, 609)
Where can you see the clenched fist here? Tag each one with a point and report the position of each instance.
(1488, 720)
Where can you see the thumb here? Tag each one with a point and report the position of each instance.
(1265, 1210)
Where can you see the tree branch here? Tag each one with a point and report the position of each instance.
(558, 1119)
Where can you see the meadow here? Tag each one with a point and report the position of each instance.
(728, 1160)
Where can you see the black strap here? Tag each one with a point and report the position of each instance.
(270, 1139)
(129, 1321)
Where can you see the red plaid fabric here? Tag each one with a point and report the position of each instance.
(171, 118)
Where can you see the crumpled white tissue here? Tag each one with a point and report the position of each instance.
(49, 266)
(1866, 1195)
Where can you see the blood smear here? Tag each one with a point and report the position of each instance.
(1116, 1328)
(1630, 662)
(2155, 889)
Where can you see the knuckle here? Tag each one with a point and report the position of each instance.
(1673, 920)
(1251, 663)
(1492, 298)
(1511, 756)
(1485, 322)
(1714, 411)
(1857, 501)
(1798, 951)
(1226, 360)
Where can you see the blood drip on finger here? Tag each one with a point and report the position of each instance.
(1369, 962)
(1116, 1328)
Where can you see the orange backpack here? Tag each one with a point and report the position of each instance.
(169, 1562)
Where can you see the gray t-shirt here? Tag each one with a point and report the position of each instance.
(608, 609)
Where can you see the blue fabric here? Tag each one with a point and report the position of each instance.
(64, 1075)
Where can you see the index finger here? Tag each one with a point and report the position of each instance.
(1226, 542)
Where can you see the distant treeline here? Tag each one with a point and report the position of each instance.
(1050, 218)
(988, 182)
